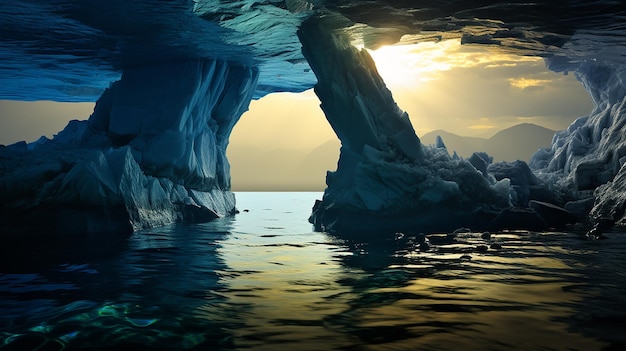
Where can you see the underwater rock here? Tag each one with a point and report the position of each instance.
(555, 217)
(518, 218)
(580, 208)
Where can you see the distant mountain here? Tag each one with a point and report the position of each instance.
(254, 167)
(519, 142)
(464, 146)
(325, 156)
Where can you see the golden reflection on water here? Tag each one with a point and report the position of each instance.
(310, 295)
(265, 283)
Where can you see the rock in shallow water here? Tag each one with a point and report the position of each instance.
(518, 218)
(580, 208)
(555, 217)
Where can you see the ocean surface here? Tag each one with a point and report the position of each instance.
(263, 280)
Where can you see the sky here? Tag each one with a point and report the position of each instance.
(284, 142)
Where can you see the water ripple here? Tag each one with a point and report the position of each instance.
(229, 285)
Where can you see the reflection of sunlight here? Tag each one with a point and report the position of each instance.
(281, 276)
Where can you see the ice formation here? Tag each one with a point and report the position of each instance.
(172, 78)
(586, 160)
(386, 180)
(152, 153)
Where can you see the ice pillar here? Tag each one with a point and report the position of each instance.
(386, 180)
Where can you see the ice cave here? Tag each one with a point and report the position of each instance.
(172, 78)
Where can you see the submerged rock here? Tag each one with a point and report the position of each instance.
(517, 218)
(554, 216)
(580, 208)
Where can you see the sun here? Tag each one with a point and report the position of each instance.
(396, 65)
(413, 64)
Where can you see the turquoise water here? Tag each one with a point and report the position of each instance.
(262, 280)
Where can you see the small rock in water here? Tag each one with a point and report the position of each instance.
(399, 236)
(482, 248)
(466, 257)
(485, 235)
(518, 218)
(599, 228)
(554, 216)
(421, 238)
(594, 234)
(462, 230)
(425, 246)
(496, 246)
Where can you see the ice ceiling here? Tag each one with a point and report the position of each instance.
(172, 78)
(71, 50)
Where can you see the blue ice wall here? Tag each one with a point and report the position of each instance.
(152, 153)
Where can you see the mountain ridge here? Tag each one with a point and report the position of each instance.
(518, 142)
(254, 168)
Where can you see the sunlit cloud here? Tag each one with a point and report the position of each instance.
(523, 83)
(482, 126)
(501, 64)
(410, 65)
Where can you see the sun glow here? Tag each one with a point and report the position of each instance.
(408, 65)
(411, 64)
(285, 143)
(523, 83)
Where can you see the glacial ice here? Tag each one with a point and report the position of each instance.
(386, 180)
(154, 151)
(586, 159)
(172, 78)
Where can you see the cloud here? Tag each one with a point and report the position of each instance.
(523, 83)
(500, 87)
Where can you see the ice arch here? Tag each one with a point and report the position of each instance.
(117, 173)
(152, 153)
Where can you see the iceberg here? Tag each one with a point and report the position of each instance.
(171, 79)
(152, 153)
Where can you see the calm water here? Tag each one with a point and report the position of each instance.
(263, 280)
